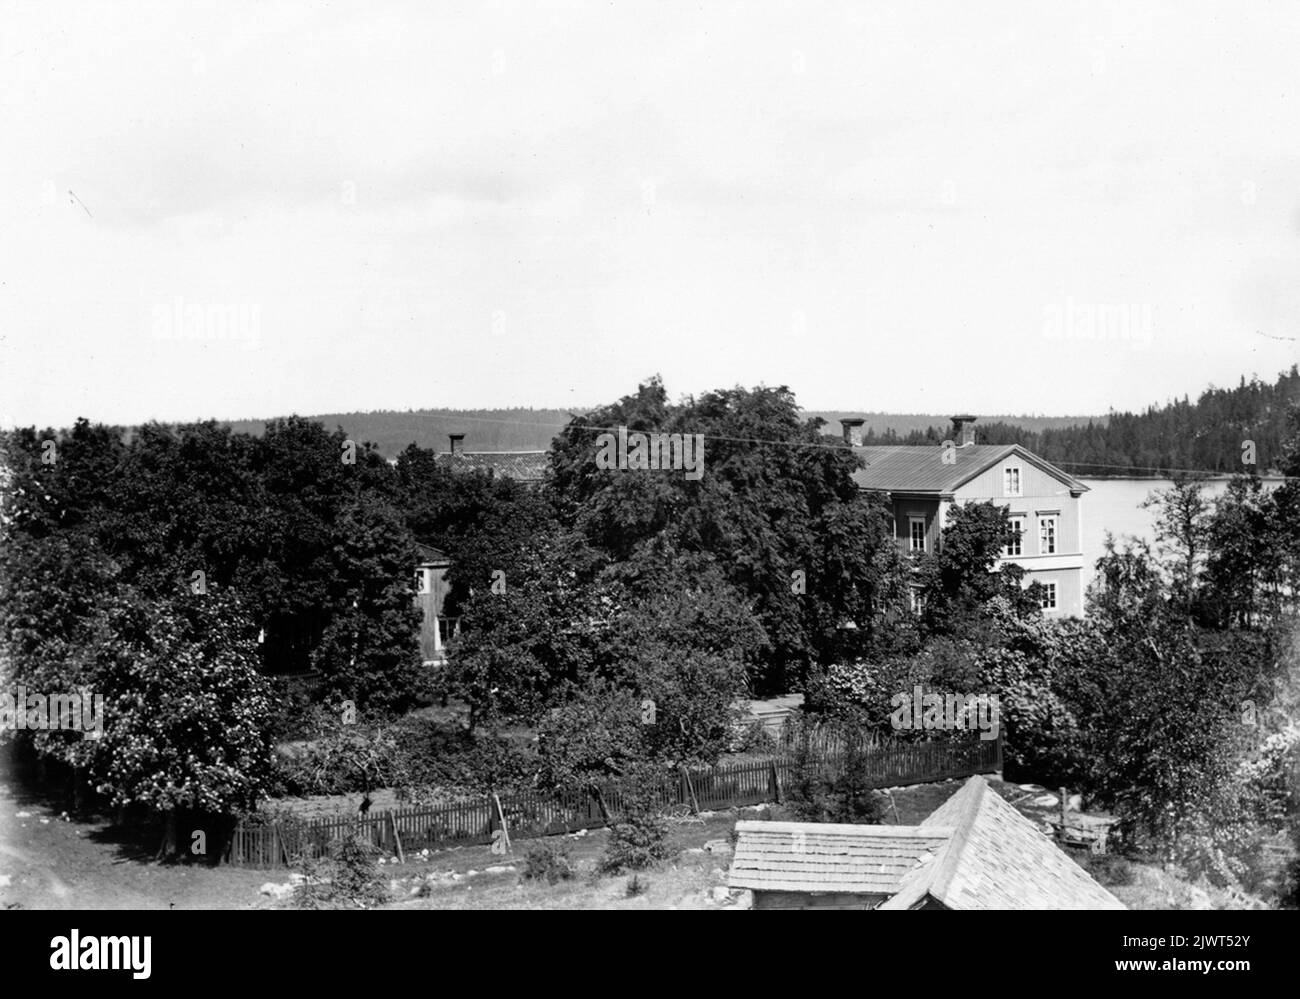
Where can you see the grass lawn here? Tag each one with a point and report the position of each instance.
(683, 883)
(688, 881)
(50, 860)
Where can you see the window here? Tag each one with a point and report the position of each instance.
(421, 581)
(1015, 533)
(1046, 535)
(1011, 481)
(914, 602)
(916, 526)
(1048, 600)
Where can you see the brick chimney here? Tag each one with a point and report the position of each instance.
(457, 443)
(852, 429)
(963, 430)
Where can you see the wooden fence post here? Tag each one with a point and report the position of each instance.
(267, 845)
(695, 805)
(600, 803)
(505, 829)
(397, 840)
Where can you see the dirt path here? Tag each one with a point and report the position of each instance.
(54, 863)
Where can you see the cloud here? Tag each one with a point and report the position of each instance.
(506, 203)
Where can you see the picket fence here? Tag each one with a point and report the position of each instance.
(530, 814)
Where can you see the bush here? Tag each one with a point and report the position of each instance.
(635, 886)
(1110, 870)
(753, 738)
(548, 862)
(825, 791)
(439, 755)
(415, 755)
(638, 842)
(348, 878)
(344, 759)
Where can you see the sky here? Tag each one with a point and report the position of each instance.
(231, 210)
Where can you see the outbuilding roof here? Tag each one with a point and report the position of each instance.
(997, 859)
(812, 856)
(430, 555)
(975, 851)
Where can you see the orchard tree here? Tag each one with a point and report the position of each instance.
(188, 713)
(58, 596)
(529, 631)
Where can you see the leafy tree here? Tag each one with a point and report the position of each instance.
(348, 878)
(773, 489)
(188, 712)
(369, 652)
(1182, 534)
(530, 638)
(828, 788)
(477, 519)
(57, 632)
(595, 736)
(1127, 589)
(1243, 574)
(958, 580)
(639, 839)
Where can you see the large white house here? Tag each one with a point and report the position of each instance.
(923, 482)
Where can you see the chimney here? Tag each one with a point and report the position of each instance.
(457, 443)
(963, 430)
(852, 429)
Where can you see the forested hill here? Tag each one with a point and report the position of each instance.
(484, 429)
(1206, 435)
(913, 428)
(532, 429)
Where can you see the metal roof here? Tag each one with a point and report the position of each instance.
(907, 468)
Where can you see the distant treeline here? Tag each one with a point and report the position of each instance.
(1207, 435)
(392, 431)
(908, 428)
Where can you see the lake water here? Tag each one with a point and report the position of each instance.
(1114, 505)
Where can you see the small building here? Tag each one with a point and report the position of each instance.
(817, 865)
(436, 629)
(527, 467)
(431, 590)
(772, 713)
(974, 851)
(1044, 503)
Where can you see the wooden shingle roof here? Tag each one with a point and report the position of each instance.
(812, 857)
(997, 859)
(974, 851)
(430, 555)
